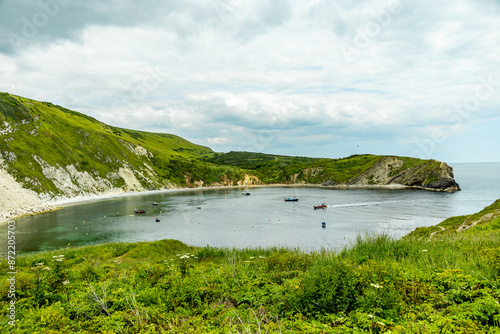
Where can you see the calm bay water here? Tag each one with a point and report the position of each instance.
(227, 218)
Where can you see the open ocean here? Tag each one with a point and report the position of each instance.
(226, 218)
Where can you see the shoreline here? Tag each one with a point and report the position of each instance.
(50, 206)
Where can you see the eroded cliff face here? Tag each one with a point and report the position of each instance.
(390, 171)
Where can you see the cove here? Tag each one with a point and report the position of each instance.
(226, 218)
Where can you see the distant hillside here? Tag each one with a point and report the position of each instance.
(57, 153)
(356, 171)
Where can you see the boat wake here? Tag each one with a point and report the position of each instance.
(356, 204)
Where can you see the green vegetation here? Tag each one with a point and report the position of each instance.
(62, 137)
(55, 151)
(448, 284)
(284, 169)
(485, 220)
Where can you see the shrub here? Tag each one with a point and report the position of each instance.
(328, 287)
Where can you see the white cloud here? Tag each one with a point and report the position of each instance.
(265, 74)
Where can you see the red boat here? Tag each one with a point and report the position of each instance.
(139, 211)
(322, 206)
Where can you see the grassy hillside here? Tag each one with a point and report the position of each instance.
(63, 137)
(378, 285)
(59, 152)
(285, 169)
(486, 220)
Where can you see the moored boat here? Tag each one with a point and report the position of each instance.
(293, 198)
(139, 211)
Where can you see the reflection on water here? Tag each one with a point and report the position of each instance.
(226, 218)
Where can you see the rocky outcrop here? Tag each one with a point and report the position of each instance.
(434, 175)
(391, 171)
(249, 180)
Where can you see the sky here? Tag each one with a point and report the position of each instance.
(294, 77)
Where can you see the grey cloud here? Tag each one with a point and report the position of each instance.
(42, 22)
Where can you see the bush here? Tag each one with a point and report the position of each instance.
(328, 287)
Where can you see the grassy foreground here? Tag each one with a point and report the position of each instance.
(418, 284)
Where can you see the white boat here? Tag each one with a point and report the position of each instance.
(246, 192)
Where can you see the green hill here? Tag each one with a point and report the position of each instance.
(58, 152)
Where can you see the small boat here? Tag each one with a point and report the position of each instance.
(154, 203)
(322, 206)
(323, 224)
(157, 220)
(246, 192)
(139, 211)
(293, 198)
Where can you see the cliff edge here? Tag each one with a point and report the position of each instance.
(390, 170)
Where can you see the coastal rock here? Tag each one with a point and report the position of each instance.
(15, 199)
(391, 171)
(249, 180)
(380, 174)
(433, 175)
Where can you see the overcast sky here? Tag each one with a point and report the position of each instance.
(295, 77)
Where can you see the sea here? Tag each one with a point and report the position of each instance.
(226, 218)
